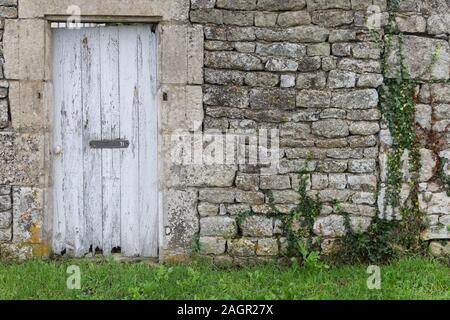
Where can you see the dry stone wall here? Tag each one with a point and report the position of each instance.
(312, 70)
(309, 69)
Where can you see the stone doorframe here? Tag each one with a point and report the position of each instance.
(28, 68)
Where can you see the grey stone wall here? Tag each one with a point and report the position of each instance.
(308, 68)
(427, 27)
(312, 70)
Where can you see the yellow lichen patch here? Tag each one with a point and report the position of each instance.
(174, 259)
(42, 249)
(39, 247)
(35, 232)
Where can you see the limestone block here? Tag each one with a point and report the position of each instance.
(205, 16)
(419, 53)
(206, 209)
(362, 182)
(242, 247)
(247, 182)
(181, 222)
(183, 108)
(218, 226)
(364, 128)
(272, 98)
(257, 226)
(8, 9)
(217, 195)
(265, 19)
(332, 18)
(438, 24)
(267, 247)
(227, 96)
(289, 50)
(281, 64)
(331, 128)
(236, 4)
(326, 4)
(439, 249)
(341, 79)
(275, 182)
(174, 54)
(357, 99)
(304, 34)
(238, 208)
(202, 4)
(428, 165)
(370, 80)
(312, 80)
(195, 55)
(233, 60)
(5, 235)
(281, 5)
(411, 23)
(212, 245)
(5, 219)
(250, 197)
(294, 18)
(24, 49)
(202, 175)
(21, 158)
(5, 203)
(27, 215)
(166, 9)
(27, 106)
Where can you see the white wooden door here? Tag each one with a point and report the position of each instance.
(105, 141)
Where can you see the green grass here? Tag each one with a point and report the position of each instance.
(408, 278)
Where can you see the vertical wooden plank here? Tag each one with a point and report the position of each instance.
(109, 47)
(92, 130)
(59, 219)
(148, 144)
(129, 112)
(72, 146)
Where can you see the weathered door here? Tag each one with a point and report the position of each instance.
(105, 141)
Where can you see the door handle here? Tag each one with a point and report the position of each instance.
(109, 144)
(57, 151)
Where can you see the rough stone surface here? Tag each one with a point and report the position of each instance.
(341, 79)
(423, 51)
(331, 128)
(4, 118)
(439, 249)
(211, 245)
(21, 158)
(5, 202)
(203, 176)
(275, 182)
(5, 219)
(307, 68)
(208, 209)
(181, 208)
(428, 165)
(257, 226)
(218, 226)
(358, 99)
(242, 247)
(294, 18)
(267, 247)
(364, 128)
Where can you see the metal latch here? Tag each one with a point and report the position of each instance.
(109, 144)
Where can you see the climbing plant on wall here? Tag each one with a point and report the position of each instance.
(399, 224)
